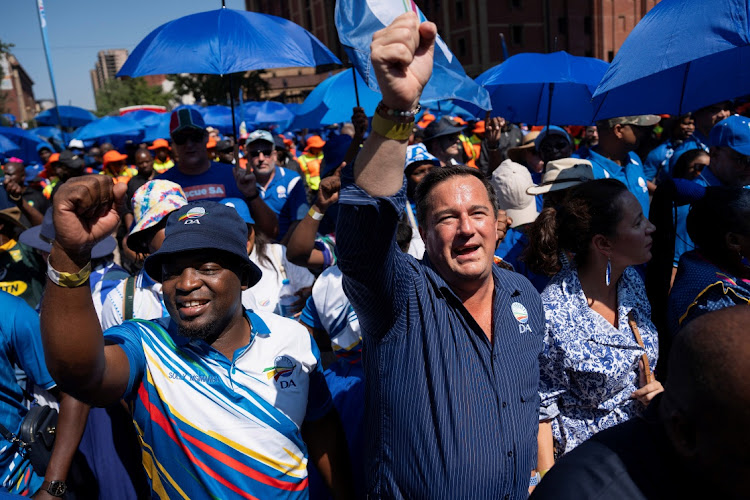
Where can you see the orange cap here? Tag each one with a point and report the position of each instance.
(459, 120)
(427, 118)
(211, 143)
(479, 127)
(158, 144)
(52, 159)
(315, 142)
(113, 156)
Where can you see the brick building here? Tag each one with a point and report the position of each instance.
(17, 89)
(472, 28)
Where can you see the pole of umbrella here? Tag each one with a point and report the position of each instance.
(549, 102)
(356, 92)
(43, 29)
(234, 124)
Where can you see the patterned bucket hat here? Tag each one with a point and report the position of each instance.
(153, 201)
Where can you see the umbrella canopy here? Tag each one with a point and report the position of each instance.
(8, 147)
(219, 117)
(27, 142)
(333, 99)
(520, 88)
(268, 113)
(225, 41)
(682, 56)
(115, 129)
(156, 126)
(70, 116)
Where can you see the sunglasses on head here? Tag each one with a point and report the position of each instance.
(257, 152)
(181, 138)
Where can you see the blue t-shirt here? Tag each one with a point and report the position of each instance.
(631, 174)
(214, 184)
(22, 346)
(286, 196)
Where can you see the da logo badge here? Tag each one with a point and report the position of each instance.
(522, 316)
(192, 215)
(281, 371)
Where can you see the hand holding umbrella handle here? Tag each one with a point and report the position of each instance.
(402, 56)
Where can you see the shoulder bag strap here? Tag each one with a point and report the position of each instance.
(128, 298)
(644, 357)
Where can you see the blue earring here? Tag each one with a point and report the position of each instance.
(608, 276)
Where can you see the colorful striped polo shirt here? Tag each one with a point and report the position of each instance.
(211, 427)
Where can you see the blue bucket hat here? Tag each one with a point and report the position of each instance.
(732, 132)
(203, 225)
(418, 153)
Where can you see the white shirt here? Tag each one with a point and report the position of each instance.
(267, 290)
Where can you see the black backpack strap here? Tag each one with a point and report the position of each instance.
(128, 298)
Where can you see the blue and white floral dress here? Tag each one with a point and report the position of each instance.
(589, 369)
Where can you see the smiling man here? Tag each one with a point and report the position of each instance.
(226, 401)
(450, 342)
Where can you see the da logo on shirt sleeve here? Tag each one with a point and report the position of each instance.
(282, 371)
(642, 183)
(522, 316)
(192, 215)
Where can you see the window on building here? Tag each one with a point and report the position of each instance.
(459, 10)
(588, 53)
(516, 35)
(587, 25)
(461, 47)
(562, 25)
(309, 19)
(610, 55)
(516, 4)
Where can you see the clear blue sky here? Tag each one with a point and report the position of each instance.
(78, 29)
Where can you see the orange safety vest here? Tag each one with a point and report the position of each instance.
(471, 154)
(310, 166)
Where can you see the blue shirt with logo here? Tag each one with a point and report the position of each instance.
(631, 174)
(450, 413)
(286, 196)
(214, 184)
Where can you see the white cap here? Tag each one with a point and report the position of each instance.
(511, 180)
(76, 144)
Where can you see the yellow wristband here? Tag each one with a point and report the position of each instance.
(390, 129)
(68, 280)
(315, 214)
(542, 473)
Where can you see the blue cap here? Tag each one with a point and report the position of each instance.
(241, 207)
(732, 132)
(203, 225)
(554, 130)
(418, 152)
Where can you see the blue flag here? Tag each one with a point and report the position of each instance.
(358, 20)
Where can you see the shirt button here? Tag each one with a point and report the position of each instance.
(505, 404)
(506, 497)
(510, 453)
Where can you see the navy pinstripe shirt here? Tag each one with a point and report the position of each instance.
(449, 414)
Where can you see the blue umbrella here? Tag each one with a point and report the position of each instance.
(333, 99)
(269, 113)
(27, 142)
(115, 129)
(70, 116)
(682, 56)
(520, 88)
(225, 41)
(156, 126)
(219, 117)
(8, 147)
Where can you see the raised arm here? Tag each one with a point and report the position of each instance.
(84, 213)
(402, 59)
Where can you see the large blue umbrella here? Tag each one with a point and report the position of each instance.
(682, 56)
(520, 88)
(115, 129)
(70, 116)
(333, 99)
(225, 41)
(156, 126)
(268, 113)
(27, 142)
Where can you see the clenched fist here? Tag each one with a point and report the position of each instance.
(85, 212)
